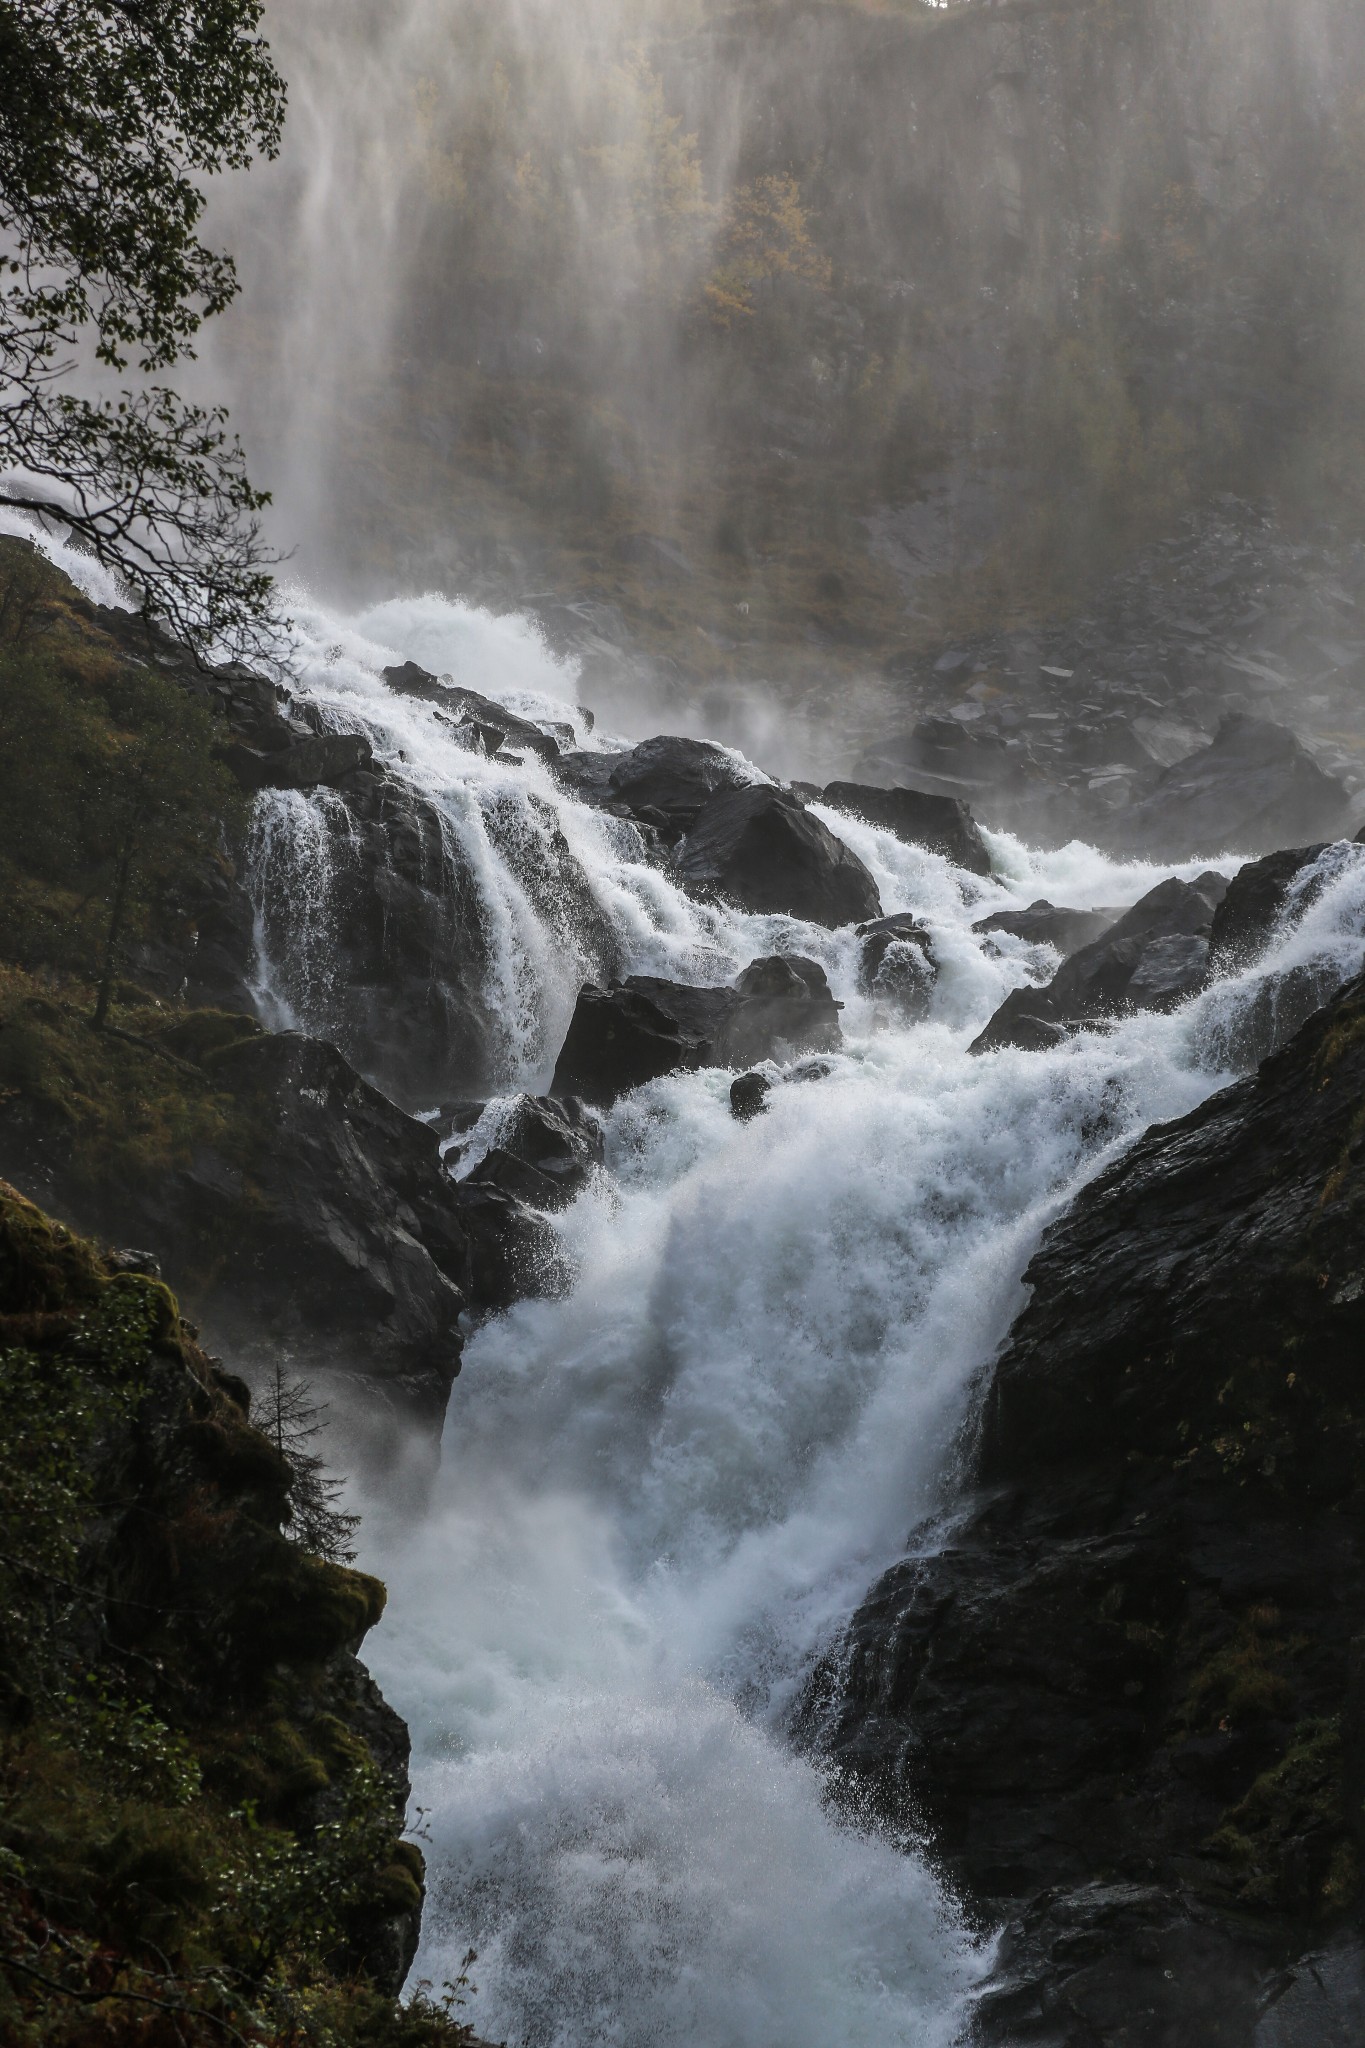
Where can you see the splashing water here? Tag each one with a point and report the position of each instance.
(663, 1495)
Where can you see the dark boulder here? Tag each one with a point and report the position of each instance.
(514, 1254)
(1152, 958)
(749, 1096)
(785, 1007)
(1124, 1694)
(966, 753)
(1258, 895)
(1254, 786)
(671, 778)
(763, 850)
(1254, 912)
(942, 824)
(545, 1153)
(896, 962)
(303, 764)
(1047, 924)
(468, 705)
(357, 1254)
(396, 974)
(395, 967)
(588, 775)
(643, 1028)
(637, 1031)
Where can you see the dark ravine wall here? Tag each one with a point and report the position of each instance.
(204, 1790)
(1126, 1698)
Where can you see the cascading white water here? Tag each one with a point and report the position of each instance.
(663, 1495)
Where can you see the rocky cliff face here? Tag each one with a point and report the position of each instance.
(1122, 1689)
(205, 1792)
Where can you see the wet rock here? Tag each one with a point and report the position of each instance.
(588, 775)
(763, 850)
(1119, 1963)
(1047, 924)
(1169, 970)
(130, 1260)
(1277, 1002)
(1115, 1691)
(749, 1096)
(785, 1007)
(643, 1028)
(546, 1152)
(399, 970)
(325, 1227)
(1245, 921)
(1319, 2002)
(359, 1245)
(468, 705)
(942, 824)
(1152, 957)
(407, 949)
(514, 1254)
(669, 779)
(302, 764)
(896, 961)
(479, 738)
(1254, 786)
(637, 1031)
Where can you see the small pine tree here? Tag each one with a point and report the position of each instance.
(293, 1419)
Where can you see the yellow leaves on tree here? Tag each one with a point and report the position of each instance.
(766, 243)
(646, 176)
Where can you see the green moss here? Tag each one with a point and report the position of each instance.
(1242, 1683)
(1285, 1841)
(187, 1818)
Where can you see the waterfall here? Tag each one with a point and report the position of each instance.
(663, 1496)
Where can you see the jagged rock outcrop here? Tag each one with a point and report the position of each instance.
(1258, 895)
(318, 1221)
(302, 763)
(943, 824)
(490, 725)
(1253, 787)
(896, 962)
(546, 1151)
(273, 745)
(763, 850)
(1122, 1691)
(1151, 958)
(1047, 924)
(643, 1028)
(665, 781)
(401, 987)
(195, 1685)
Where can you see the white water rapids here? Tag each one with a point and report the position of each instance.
(663, 1496)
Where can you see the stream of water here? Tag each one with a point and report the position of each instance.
(662, 1496)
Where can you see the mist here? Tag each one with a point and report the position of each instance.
(762, 353)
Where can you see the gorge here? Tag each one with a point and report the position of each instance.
(762, 1011)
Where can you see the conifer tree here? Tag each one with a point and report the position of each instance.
(293, 1421)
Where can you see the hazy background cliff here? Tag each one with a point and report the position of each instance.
(788, 343)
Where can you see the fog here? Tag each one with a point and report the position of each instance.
(764, 352)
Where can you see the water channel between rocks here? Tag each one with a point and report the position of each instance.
(663, 1495)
